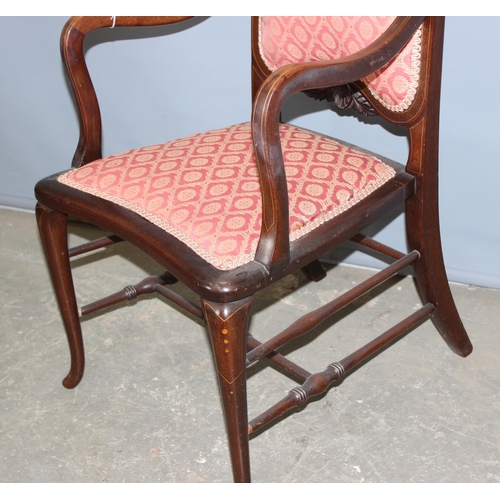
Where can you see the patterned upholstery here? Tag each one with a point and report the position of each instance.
(285, 40)
(205, 190)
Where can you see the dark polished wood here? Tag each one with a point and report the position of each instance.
(344, 97)
(53, 232)
(279, 360)
(71, 45)
(274, 244)
(227, 325)
(226, 296)
(148, 285)
(94, 245)
(318, 383)
(314, 318)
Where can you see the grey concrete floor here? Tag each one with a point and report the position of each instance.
(148, 408)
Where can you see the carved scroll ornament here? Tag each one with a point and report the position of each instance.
(344, 97)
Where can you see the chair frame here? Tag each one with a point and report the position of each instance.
(226, 296)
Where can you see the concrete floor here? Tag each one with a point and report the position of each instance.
(148, 408)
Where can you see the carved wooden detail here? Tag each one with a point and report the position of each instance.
(344, 97)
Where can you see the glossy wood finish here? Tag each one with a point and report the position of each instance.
(273, 248)
(311, 320)
(422, 209)
(318, 383)
(53, 232)
(71, 44)
(148, 285)
(226, 296)
(227, 325)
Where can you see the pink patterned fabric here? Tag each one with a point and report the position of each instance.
(205, 189)
(286, 40)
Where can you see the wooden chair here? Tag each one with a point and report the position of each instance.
(231, 211)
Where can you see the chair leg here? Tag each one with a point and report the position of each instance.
(314, 271)
(228, 324)
(430, 273)
(53, 231)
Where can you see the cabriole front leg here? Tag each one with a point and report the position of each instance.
(53, 231)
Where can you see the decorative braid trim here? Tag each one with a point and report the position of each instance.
(320, 187)
(221, 264)
(321, 219)
(414, 78)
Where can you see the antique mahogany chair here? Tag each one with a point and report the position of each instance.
(228, 212)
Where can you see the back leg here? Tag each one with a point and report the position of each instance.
(430, 272)
(53, 231)
(314, 271)
(434, 288)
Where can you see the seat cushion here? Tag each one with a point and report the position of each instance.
(290, 39)
(205, 190)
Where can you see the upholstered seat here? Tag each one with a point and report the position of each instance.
(205, 189)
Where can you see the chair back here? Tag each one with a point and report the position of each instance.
(392, 91)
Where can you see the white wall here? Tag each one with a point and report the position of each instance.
(155, 85)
